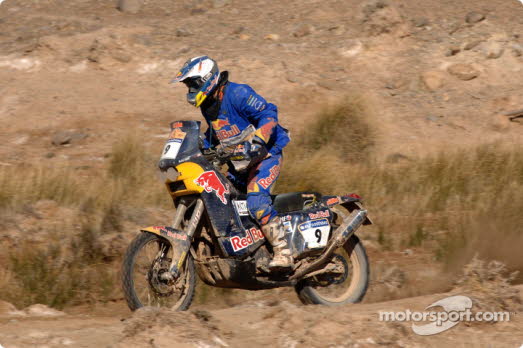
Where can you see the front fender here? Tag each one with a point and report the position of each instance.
(180, 244)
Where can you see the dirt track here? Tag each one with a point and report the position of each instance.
(255, 324)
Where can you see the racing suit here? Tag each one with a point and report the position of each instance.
(234, 108)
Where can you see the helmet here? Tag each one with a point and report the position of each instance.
(201, 76)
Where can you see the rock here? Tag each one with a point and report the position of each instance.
(244, 37)
(238, 30)
(493, 50)
(129, 6)
(463, 72)
(352, 48)
(452, 51)
(273, 37)
(61, 138)
(66, 137)
(432, 80)
(220, 3)
(337, 29)
(41, 310)
(420, 22)
(121, 56)
(397, 157)
(474, 17)
(182, 32)
(517, 50)
(49, 155)
(380, 17)
(471, 44)
(7, 309)
(302, 30)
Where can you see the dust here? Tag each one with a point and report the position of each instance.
(488, 283)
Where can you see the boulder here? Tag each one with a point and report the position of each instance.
(517, 50)
(302, 30)
(474, 17)
(493, 50)
(66, 137)
(463, 71)
(472, 44)
(40, 310)
(182, 32)
(433, 80)
(273, 37)
(9, 310)
(351, 48)
(129, 6)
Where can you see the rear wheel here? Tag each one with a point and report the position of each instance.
(148, 257)
(347, 276)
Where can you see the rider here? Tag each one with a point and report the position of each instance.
(229, 108)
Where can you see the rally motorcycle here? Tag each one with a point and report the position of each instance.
(213, 235)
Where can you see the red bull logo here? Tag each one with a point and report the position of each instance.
(274, 172)
(320, 214)
(210, 182)
(252, 235)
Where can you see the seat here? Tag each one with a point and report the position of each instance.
(293, 201)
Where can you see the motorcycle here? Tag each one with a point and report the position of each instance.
(213, 235)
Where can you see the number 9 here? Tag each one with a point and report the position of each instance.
(317, 233)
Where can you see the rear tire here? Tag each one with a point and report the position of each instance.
(353, 253)
(150, 294)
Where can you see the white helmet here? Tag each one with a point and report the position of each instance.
(201, 76)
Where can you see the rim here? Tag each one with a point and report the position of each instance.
(341, 284)
(151, 261)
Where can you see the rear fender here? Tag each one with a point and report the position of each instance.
(180, 244)
(351, 202)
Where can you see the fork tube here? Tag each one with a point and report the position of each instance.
(178, 216)
(195, 218)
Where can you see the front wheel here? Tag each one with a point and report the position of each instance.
(347, 283)
(147, 258)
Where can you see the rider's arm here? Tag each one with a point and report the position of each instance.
(263, 115)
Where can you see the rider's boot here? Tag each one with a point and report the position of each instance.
(275, 234)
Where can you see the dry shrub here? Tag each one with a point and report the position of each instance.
(454, 203)
(489, 284)
(72, 269)
(57, 276)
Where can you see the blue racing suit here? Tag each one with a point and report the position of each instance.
(240, 107)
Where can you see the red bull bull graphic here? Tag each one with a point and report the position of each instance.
(211, 182)
(219, 124)
(252, 235)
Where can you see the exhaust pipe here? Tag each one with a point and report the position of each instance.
(340, 237)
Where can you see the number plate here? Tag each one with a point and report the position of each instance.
(315, 232)
(171, 148)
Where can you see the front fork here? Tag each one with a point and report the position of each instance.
(180, 249)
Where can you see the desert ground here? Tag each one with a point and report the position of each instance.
(432, 139)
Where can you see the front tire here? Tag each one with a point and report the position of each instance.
(332, 292)
(146, 258)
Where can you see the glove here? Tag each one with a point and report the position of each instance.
(249, 153)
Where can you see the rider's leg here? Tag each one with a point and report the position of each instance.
(261, 181)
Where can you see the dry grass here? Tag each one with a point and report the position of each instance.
(456, 203)
(71, 269)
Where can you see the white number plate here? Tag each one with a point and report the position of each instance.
(171, 148)
(315, 232)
